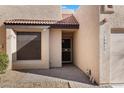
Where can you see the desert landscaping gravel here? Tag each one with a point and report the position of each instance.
(16, 79)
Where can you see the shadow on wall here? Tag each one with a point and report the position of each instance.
(2, 38)
(29, 43)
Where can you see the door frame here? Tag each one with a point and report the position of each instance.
(71, 49)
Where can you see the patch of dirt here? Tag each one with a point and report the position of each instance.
(12, 79)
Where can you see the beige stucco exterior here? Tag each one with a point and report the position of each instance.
(91, 42)
(55, 48)
(50, 48)
(51, 52)
(86, 41)
(27, 64)
(26, 12)
(114, 23)
(86, 55)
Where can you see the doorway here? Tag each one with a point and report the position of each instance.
(67, 50)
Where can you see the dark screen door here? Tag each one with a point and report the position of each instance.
(66, 50)
(28, 45)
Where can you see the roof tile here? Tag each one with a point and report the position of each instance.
(68, 21)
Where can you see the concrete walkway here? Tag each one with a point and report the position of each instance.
(68, 76)
(67, 72)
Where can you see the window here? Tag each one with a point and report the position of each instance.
(28, 45)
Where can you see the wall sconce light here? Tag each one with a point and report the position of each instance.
(103, 21)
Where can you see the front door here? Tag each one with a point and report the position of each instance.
(66, 50)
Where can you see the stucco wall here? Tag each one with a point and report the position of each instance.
(30, 12)
(55, 48)
(11, 37)
(86, 40)
(51, 48)
(2, 38)
(114, 21)
(26, 12)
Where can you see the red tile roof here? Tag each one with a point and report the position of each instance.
(29, 21)
(68, 22)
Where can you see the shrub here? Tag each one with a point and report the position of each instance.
(3, 62)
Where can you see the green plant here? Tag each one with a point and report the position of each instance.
(3, 62)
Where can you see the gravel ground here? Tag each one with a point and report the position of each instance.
(69, 76)
(16, 79)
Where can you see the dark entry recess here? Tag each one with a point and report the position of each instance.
(28, 45)
(66, 51)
